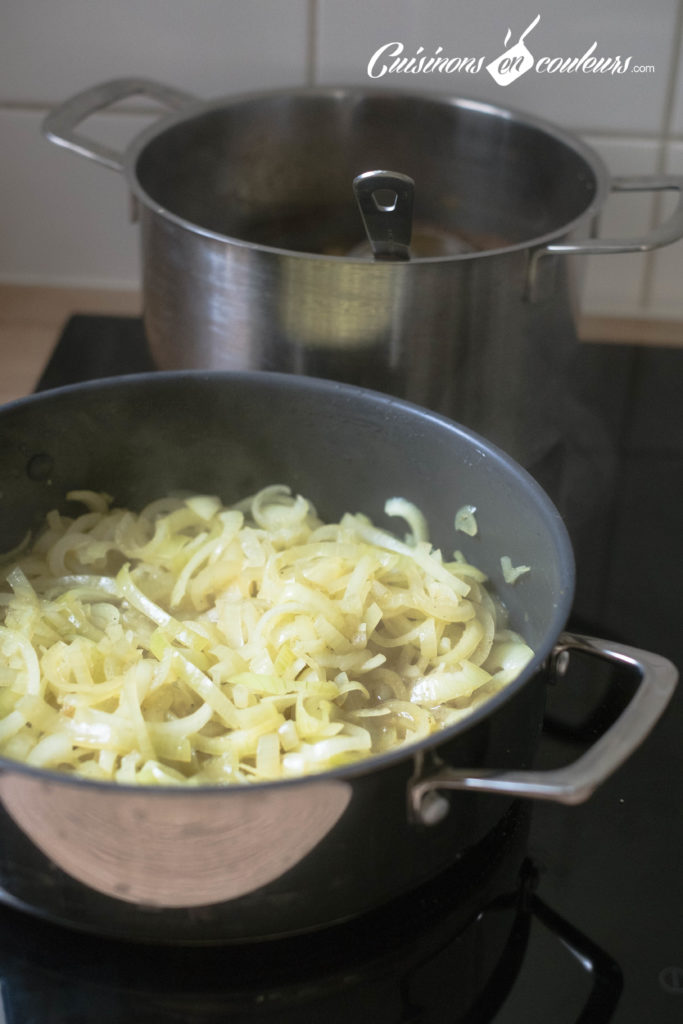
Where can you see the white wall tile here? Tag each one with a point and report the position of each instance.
(614, 283)
(666, 296)
(64, 220)
(350, 32)
(676, 126)
(50, 49)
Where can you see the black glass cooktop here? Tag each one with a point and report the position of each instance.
(565, 914)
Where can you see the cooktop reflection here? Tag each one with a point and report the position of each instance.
(567, 914)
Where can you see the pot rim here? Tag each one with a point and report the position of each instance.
(571, 141)
(353, 393)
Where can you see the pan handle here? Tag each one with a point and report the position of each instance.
(60, 124)
(576, 782)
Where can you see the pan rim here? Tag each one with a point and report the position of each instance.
(412, 752)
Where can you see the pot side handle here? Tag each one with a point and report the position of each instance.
(669, 231)
(576, 782)
(60, 124)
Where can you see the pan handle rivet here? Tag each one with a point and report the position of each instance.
(39, 467)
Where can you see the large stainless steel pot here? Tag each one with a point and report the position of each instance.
(249, 235)
(242, 862)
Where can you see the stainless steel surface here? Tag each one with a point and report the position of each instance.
(385, 200)
(671, 230)
(60, 124)
(576, 782)
(666, 233)
(247, 220)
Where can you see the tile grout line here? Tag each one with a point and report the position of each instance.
(312, 43)
(11, 107)
(665, 137)
(38, 107)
